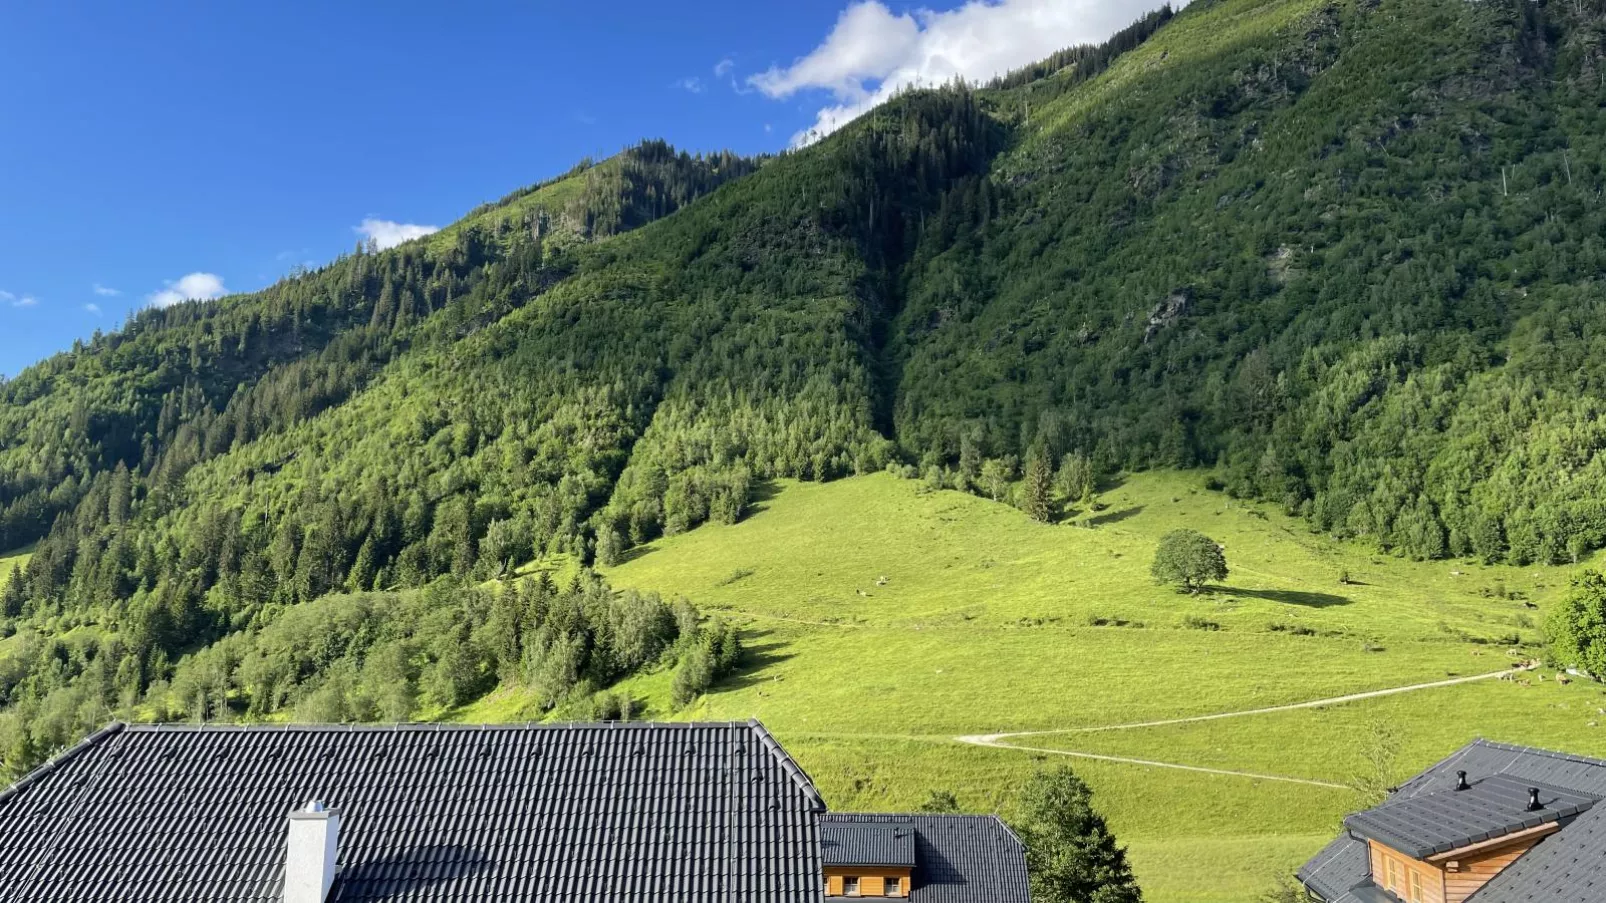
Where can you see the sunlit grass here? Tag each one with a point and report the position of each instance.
(13, 559)
(886, 619)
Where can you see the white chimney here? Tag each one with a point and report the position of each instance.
(309, 863)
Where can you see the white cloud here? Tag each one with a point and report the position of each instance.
(194, 286)
(387, 234)
(724, 67)
(93, 308)
(24, 301)
(7, 296)
(692, 84)
(872, 52)
(105, 292)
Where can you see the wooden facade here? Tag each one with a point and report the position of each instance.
(1453, 876)
(867, 881)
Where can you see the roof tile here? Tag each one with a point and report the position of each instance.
(614, 812)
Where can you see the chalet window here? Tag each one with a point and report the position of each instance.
(1416, 887)
(894, 886)
(850, 887)
(1391, 873)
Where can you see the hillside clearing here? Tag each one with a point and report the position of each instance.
(885, 620)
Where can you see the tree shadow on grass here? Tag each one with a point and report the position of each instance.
(1286, 596)
(757, 495)
(634, 552)
(1113, 517)
(757, 657)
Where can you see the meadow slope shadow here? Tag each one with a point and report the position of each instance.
(1287, 596)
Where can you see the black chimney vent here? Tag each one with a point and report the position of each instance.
(1533, 800)
(1461, 781)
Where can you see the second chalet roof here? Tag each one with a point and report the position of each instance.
(686, 812)
(1448, 819)
(1567, 867)
(958, 858)
(864, 842)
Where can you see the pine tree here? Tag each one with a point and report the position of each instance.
(365, 568)
(1070, 853)
(1037, 488)
(11, 595)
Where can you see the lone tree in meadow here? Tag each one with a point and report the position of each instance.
(1070, 853)
(1188, 559)
(1578, 625)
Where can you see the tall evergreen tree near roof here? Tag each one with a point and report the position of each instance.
(1070, 851)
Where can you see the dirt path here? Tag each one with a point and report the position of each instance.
(1000, 741)
(1125, 760)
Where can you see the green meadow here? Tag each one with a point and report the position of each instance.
(11, 560)
(886, 620)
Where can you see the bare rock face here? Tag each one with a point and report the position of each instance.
(1172, 309)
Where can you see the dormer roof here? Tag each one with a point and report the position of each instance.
(1450, 819)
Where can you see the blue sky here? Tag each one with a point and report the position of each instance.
(152, 151)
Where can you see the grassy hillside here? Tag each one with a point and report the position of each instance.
(986, 623)
(1341, 255)
(12, 560)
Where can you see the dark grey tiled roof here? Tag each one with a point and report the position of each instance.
(844, 842)
(958, 858)
(1337, 870)
(713, 812)
(1449, 819)
(1567, 867)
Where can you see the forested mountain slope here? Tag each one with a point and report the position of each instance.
(1347, 252)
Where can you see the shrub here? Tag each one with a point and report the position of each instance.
(1577, 626)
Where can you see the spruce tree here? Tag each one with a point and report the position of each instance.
(11, 595)
(1037, 489)
(1070, 852)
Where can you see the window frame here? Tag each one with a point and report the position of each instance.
(892, 886)
(850, 886)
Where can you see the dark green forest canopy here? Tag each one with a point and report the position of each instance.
(1346, 254)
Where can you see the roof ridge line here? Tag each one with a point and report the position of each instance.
(976, 816)
(787, 763)
(1538, 751)
(62, 758)
(425, 726)
(1008, 830)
